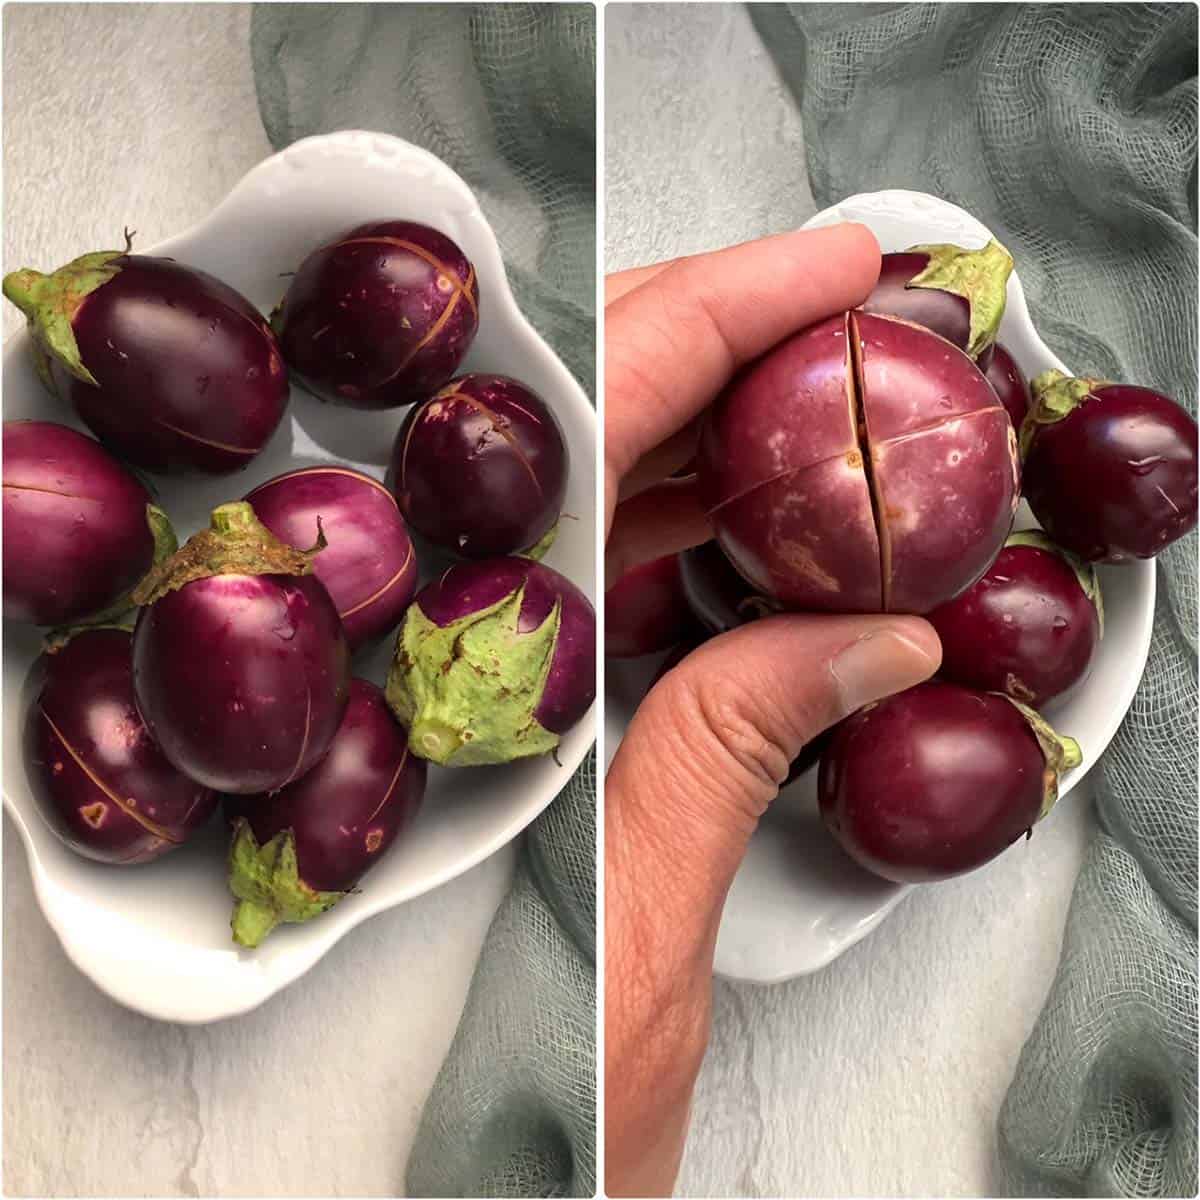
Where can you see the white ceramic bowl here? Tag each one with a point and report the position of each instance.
(156, 937)
(798, 901)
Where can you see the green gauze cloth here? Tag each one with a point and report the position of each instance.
(505, 94)
(1070, 130)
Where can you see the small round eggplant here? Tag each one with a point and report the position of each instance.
(1009, 384)
(1028, 628)
(297, 852)
(380, 317)
(865, 465)
(1110, 470)
(959, 294)
(480, 468)
(169, 367)
(719, 598)
(496, 660)
(99, 780)
(79, 530)
(937, 780)
(645, 611)
(369, 568)
(240, 666)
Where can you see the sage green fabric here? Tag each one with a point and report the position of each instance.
(1070, 130)
(505, 95)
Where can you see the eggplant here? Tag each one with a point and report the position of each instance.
(298, 851)
(98, 779)
(1110, 470)
(937, 780)
(865, 465)
(240, 666)
(959, 294)
(368, 568)
(496, 660)
(381, 316)
(480, 468)
(79, 530)
(1009, 384)
(645, 611)
(169, 367)
(1029, 628)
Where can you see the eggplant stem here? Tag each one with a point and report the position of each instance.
(252, 922)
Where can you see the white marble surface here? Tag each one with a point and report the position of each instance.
(883, 1074)
(146, 115)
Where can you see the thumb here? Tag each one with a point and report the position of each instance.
(701, 761)
(709, 746)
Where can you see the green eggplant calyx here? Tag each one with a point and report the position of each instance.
(50, 304)
(236, 543)
(980, 277)
(468, 692)
(265, 881)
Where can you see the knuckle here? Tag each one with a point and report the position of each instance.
(729, 716)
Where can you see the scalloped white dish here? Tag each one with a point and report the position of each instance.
(798, 901)
(156, 937)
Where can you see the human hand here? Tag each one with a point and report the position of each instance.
(706, 750)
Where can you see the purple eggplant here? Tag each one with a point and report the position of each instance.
(79, 530)
(97, 777)
(719, 598)
(646, 612)
(480, 468)
(169, 367)
(959, 294)
(240, 666)
(369, 568)
(1009, 384)
(297, 852)
(865, 465)
(1110, 470)
(1028, 628)
(937, 780)
(495, 661)
(381, 316)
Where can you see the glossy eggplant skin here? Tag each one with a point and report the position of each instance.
(946, 314)
(878, 476)
(467, 588)
(190, 377)
(1027, 628)
(646, 612)
(368, 567)
(932, 782)
(1115, 479)
(1009, 384)
(99, 781)
(480, 468)
(75, 529)
(242, 679)
(352, 805)
(381, 316)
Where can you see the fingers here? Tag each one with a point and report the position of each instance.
(674, 340)
(663, 461)
(661, 520)
(726, 723)
(616, 285)
(699, 764)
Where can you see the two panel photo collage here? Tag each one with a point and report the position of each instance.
(600, 599)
